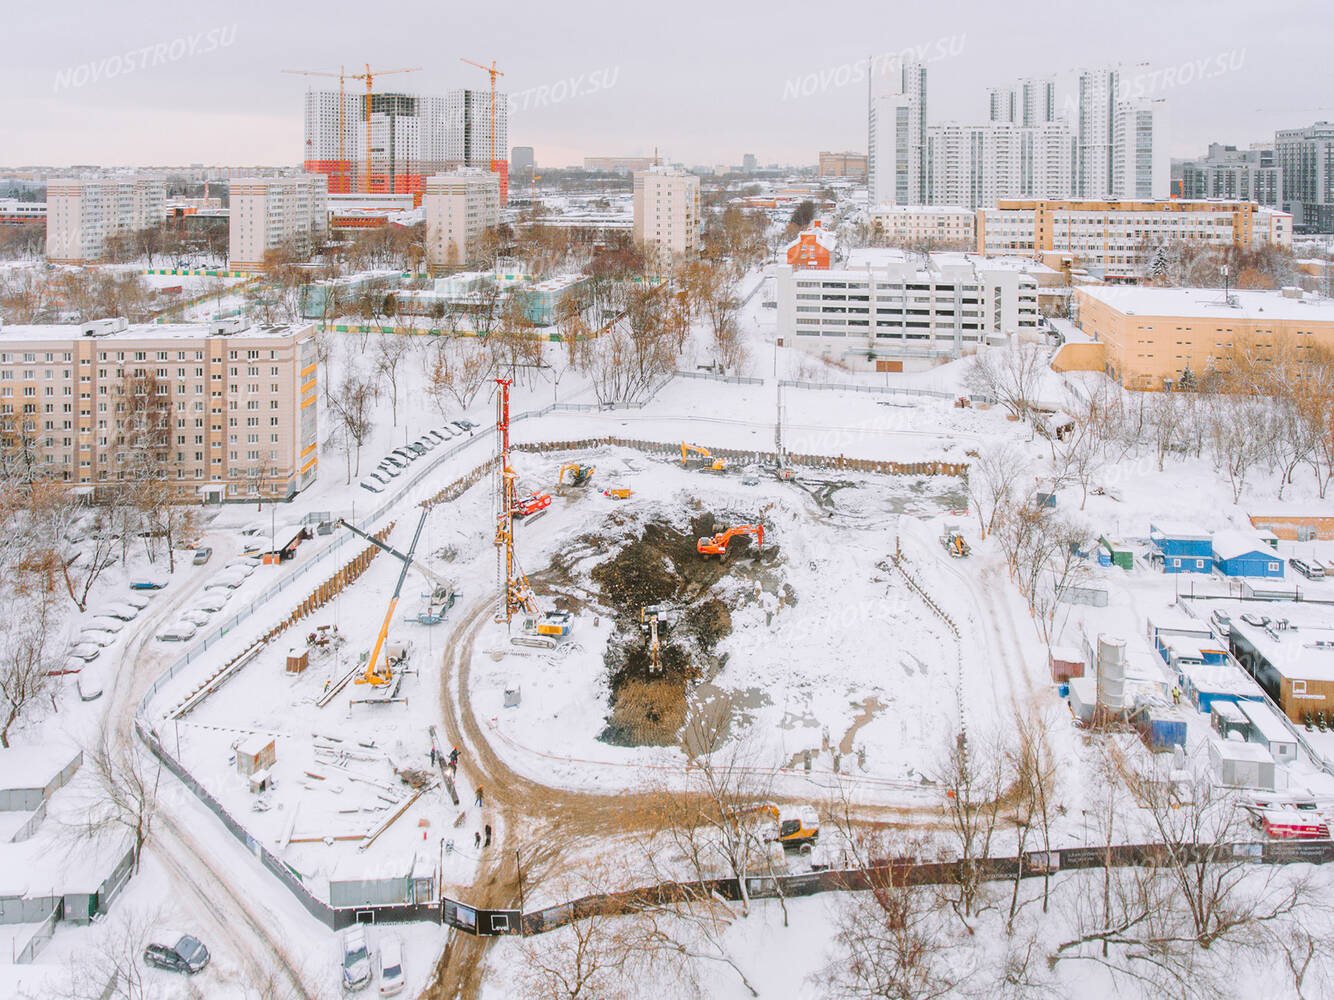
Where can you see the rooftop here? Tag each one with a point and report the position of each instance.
(1299, 647)
(1230, 544)
(117, 330)
(1207, 303)
(1178, 529)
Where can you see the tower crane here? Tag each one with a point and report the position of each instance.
(494, 73)
(369, 76)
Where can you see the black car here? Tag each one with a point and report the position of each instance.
(186, 955)
(463, 425)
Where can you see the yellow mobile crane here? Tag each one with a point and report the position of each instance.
(375, 674)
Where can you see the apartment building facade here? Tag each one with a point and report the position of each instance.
(1151, 336)
(842, 165)
(21, 213)
(1306, 157)
(891, 310)
(949, 227)
(1117, 237)
(81, 215)
(460, 207)
(271, 212)
(412, 137)
(235, 405)
(1234, 174)
(666, 214)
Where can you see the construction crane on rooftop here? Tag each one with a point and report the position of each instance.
(369, 76)
(342, 126)
(494, 73)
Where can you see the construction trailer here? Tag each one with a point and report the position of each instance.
(1065, 662)
(1162, 726)
(1268, 730)
(1164, 625)
(369, 880)
(1179, 547)
(1237, 553)
(1208, 683)
(256, 753)
(1119, 553)
(1226, 718)
(1237, 764)
(1083, 698)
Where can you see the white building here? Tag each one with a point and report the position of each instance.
(82, 214)
(460, 207)
(1030, 102)
(666, 214)
(272, 212)
(935, 225)
(975, 165)
(1141, 167)
(888, 309)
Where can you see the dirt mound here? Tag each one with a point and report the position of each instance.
(657, 563)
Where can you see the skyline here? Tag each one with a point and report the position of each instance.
(203, 88)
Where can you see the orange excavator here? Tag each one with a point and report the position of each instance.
(717, 545)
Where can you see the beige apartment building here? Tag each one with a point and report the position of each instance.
(460, 207)
(842, 165)
(82, 214)
(666, 214)
(236, 405)
(270, 212)
(1145, 338)
(1118, 236)
(949, 227)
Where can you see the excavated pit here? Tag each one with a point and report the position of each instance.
(655, 562)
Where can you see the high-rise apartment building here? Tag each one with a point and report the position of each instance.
(974, 165)
(1030, 102)
(223, 410)
(1306, 157)
(1096, 117)
(896, 155)
(1121, 149)
(272, 212)
(666, 214)
(412, 137)
(460, 207)
(82, 214)
(1235, 174)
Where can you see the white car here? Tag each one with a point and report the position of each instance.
(84, 652)
(105, 623)
(391, 965)
(97, 637)
(125, 612)
(90, 683)
(135, 601)
(197, 618)
(225, 583)
(239, 567)
(356, 959)
(179, 631)
(211, 601)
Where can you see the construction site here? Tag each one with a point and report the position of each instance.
(642, 612)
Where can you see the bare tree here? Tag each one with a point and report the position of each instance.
(26, 659)
(352, 408)
(974, 777)
(126, 790)
(1011, 374)
(459, 371)
(993, 482)
(390, 350)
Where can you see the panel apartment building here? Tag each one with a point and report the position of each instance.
(1117, 237)
(1150, 336)
(412, 137)
(460, 207)
(240, 402)
(666, 214)
(890, 309)
(1235, 174)
(81, 215)
(270, 212)
(1306, 157)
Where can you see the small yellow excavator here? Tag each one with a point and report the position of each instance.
(793, 826)
(579, 475)
(653, 617)
(701, 459)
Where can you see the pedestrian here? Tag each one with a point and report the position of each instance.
(433, 756)
(477, 841)
(479, 796)
(487, 842)
(454, 757)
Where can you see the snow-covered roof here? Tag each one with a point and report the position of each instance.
(821, 236)
(1238, 750)
(1178, 529)
(1207, 303)
(1266, 721)
(143, 331)
(33, 767)
(1230, 544)
(922, 210)
(1221, 678)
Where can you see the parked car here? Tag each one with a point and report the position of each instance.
(134, 600)
(176, 953)
(178, 631)
(84, 652)
(405, 454)
(396, 461)
(391, 965)
(439, 438)
(239, 567)
(97, 637)
(202, 555)
(379, 478)
(426, 441)
(148, 583)
(211, 601)
(89, 683)
(385, 469)
(196, 617)
(417, 449)
(1311, 570)
(367, 485)
(224, 583)
(356, 959)
(463, 424)
(105, 623)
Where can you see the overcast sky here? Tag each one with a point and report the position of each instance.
(131, 82)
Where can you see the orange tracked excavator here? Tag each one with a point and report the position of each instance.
(717, 545)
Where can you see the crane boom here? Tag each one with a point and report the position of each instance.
(372, 675)
(416, 564)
